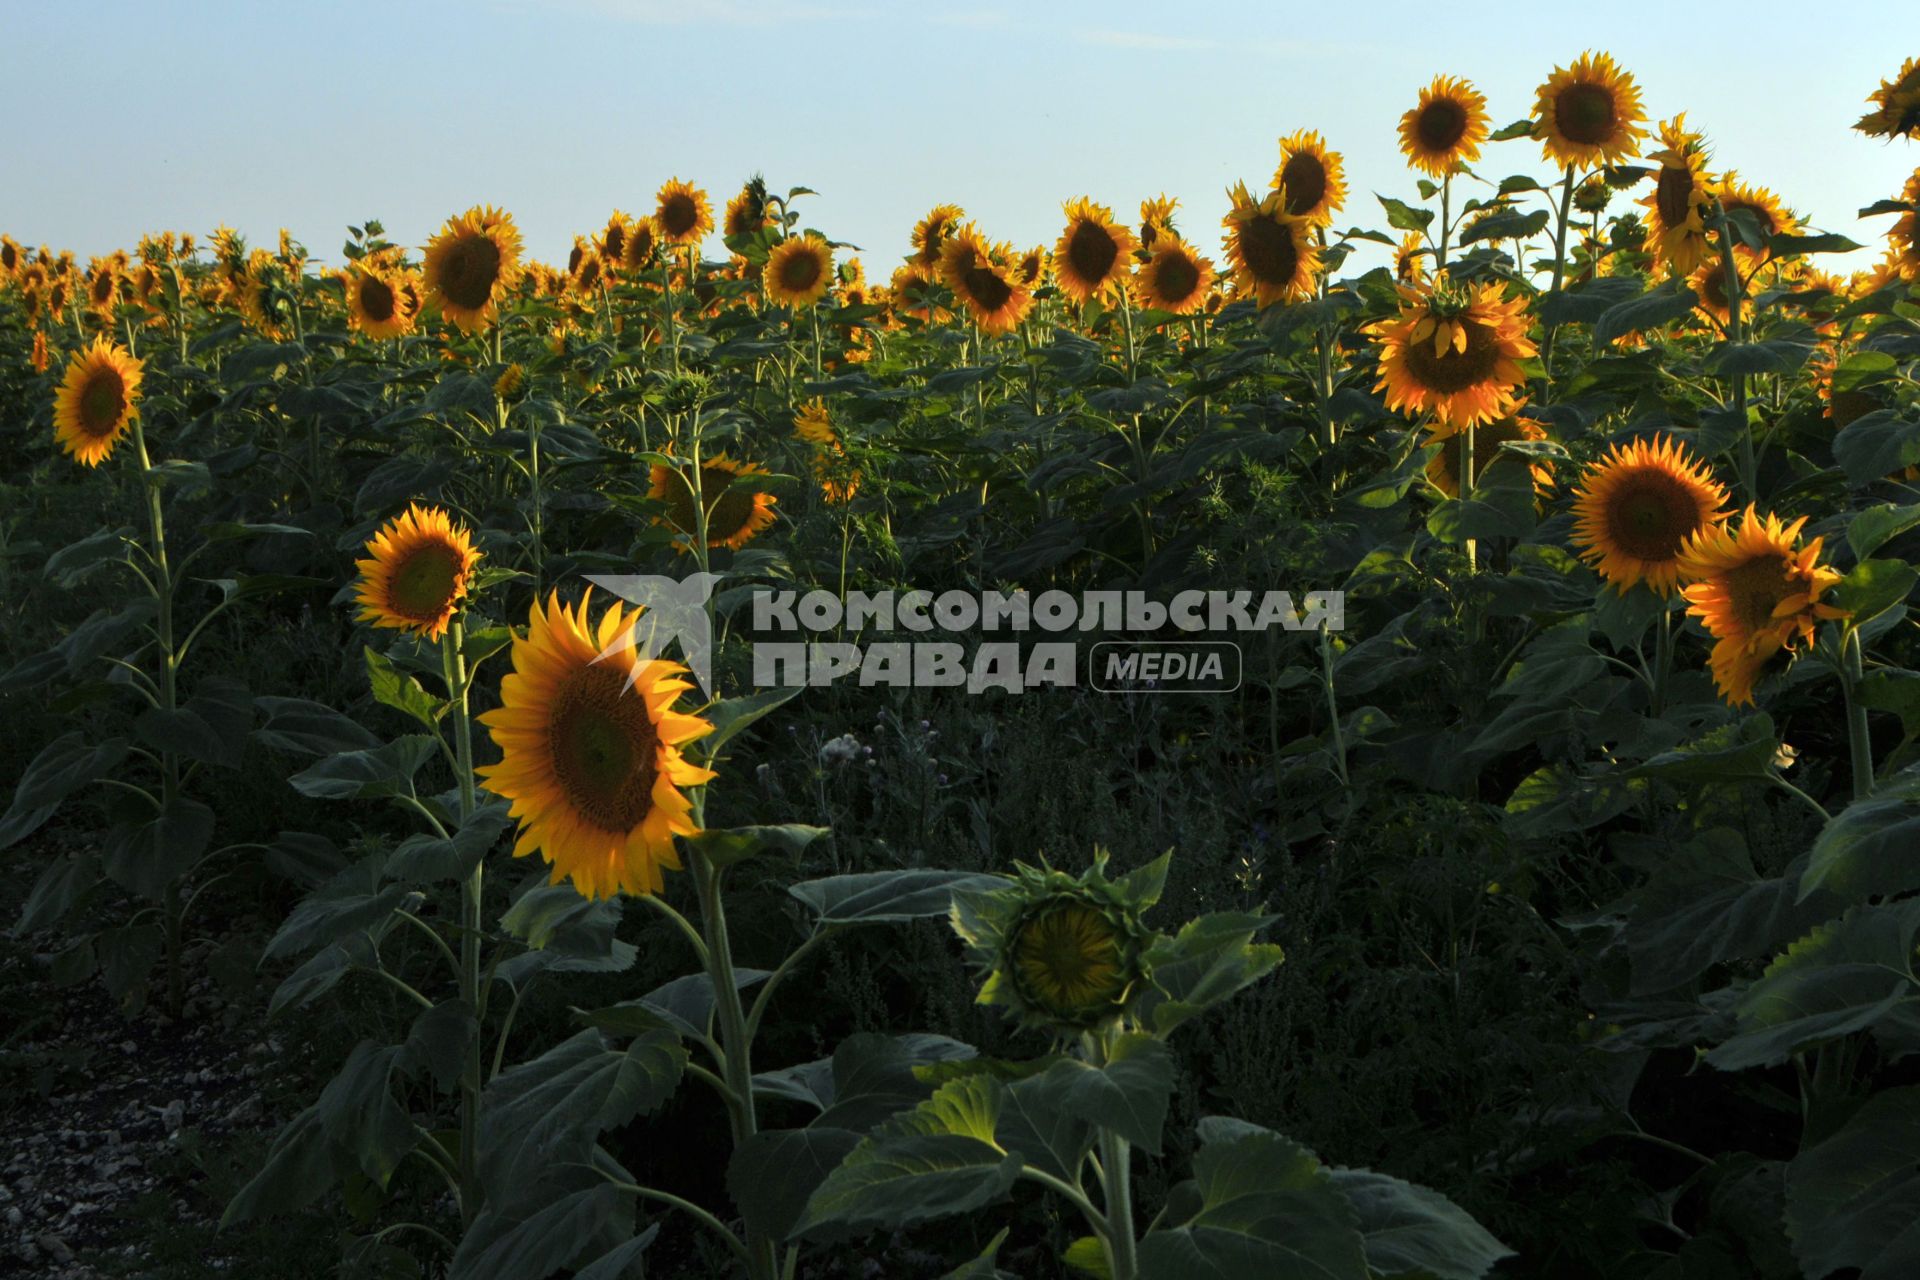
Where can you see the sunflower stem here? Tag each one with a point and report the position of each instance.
(1333, 702)
(1466, 492)
(1559, 274)
(1736, 330)
(454, 669)
(1662, 660)
(1116, 1182)
(1857, 739)
(1446, 221)
(171, 908)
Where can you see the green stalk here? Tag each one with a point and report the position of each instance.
(162, 585)
(1446, 220)
(1749, 469)
(1857, 740)
(1559, 270)
(1662, 661)
(454, 670)
(1116, 1182)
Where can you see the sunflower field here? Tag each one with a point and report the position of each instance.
(385, 897)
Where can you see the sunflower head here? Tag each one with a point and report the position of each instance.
(1766, 209)
(637, 250)
(613, 241)
(1589, 114)
(1156, 219)
(1062, 953)
(1444, 131)
(590, 750)
(1311, 180)
(378, 305)
(912, 292)
(97, 402)
(798, 271)
(1091, 259)
(1903, 238)
(1444, 469)
(985, 280)
(1896, 105)
(1273, 252)
(1454, 352)
(1757, 592)
(931, 232)
(746, 212)
(417, 571)
(1409, 265)
(1035, 267)
(1174, 278)
(12, 257)
(472, 265)
(1636, 509)
(682, 215)
(1681, 199)
(736, 509)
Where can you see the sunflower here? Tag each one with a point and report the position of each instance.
(981, 278)
(1408, 269)
(1273, 253)
(854, 289)
(683, 217)
(1454, 352)
(375, 304)
(1636, 509)
(97, 402)
(838, 479)
(1156, 219)
(1589, 114)
(1174, 279)
(1091, 258)
(472, 264)
(1773, 217)
(798, 271)
(1311, 179)
(736, 510)
(41, 357)
(1444, 132)
(1756, 594)
(103, 287)
(912, 289)
(1896, 105)
(1443, 470)
(1903, 237)
(590, 751)
(931, 232)
(613, 241)
(1681, 199)
(588, 274)
(1709, 285)
(1035, 267)
(746, 213)
(418, 569)
(12, 258)
(636, 251)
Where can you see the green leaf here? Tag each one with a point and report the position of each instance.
(1848, 975)
(725, 846)
(1731, 359)
(211, 726)
(1873, 587)
(1872, 847)
(1402, 216)
(504, 1245)
(1877, 445)
(773, 1174)
(875, 897)
(1088, 1256)
(936, 1161)
(440, 1040)
(618, 1264)
(1211, 959)
(362, 775)
(309, 728)
(145, 857)
(1652, 310)
(351, 902)
(63, 766)
(731, 715)
(1266, 1207)
(1742, 750)
(394, 688)
(70, 565)
(684, 1005)
(127, 955)
(1414, 1231)
(1791, 246)
(357, 1111)
(428, 857)
(1872, 528)
(298, 1170)
(550, 1110)
(1864, 369)
(1505, 224)
(1554, 800)
(1127, 1094)
(65, 881)
(1853, 1201)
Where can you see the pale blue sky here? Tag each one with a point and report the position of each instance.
(126, 117)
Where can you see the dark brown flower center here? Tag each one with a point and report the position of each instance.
(376, 299)
(616, 240)
(678, 214)
(1673, 196)
(1454, 370)
(1268, 250)
(1650, 514)
(423, 585)
(1440, 125)
(985, 288)
(1091, 250)
(1303, 180)
(1585, 114)
(102, 401)
(469, 270)
(1175, 277)
(1755, 589)
(604, 747)
(800, 270)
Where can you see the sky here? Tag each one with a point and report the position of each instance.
(132, 117)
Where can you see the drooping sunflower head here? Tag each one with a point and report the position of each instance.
(103, 287)
(912, 291)
(682, 215)
(1444, 469)
(837, 477)
(1638, 507)
(376, 304)
(1757, 592)
(1156, 219)
(1273, 252)
(418, 569)
(746, 212)
(852, 283)
(591, 750)
(1589, 114)
(736, 508)
(798, 271)
(613, 241)
(1064, 954)
(1091, 258)
(1903, 237)
(1035, 267)
(1446, 129)
(472, 265)
(931, 232)
(812, 423)
(637, 251)
(97, 402)
(1311, 180)
(1896, 105)
(12, 257)
(1681, 199)
(983, 278)
(1174, 278)
(1454, 352)
(1765, 208)
(1709, 285)
(1409, 265)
